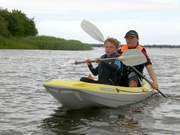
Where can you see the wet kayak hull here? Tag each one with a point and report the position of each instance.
(88, 95)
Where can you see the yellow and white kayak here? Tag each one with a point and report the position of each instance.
(77, 94)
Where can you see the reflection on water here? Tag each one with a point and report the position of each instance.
(89, 121)
(99, 121)
(27, 108)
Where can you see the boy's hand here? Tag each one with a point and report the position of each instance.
(88, 62)
(155, 85)
(90, 77)
(98, 61)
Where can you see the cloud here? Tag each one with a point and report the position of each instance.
(90, 5)
(43, 10)
(158, 19)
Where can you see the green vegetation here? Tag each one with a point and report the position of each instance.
(17, 31)
(16, 23)
(42, 42)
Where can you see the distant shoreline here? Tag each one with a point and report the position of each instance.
(162, 46)
(147, 46)
(42, 43)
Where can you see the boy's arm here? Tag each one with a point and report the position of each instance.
(147, 57)
(150, 70)
(93, 70)
(153, 76)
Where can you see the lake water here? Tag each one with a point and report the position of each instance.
(26, 108)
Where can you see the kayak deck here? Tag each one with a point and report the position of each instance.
(100, 88)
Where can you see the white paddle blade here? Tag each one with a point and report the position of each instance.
(92, 30)
(133, 57)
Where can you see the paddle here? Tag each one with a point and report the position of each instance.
(131, 58)
(139, 73)
(94, 32)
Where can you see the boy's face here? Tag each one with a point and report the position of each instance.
(131, 42)
(109, 48)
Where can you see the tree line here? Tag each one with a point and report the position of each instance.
(17, 24)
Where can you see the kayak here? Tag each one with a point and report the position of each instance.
(76, 94)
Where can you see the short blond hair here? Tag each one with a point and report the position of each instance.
(114, 41)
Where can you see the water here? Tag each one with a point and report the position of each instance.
(27, 109)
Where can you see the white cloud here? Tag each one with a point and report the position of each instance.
(93, 9)
(150, 32)
(155, 20)
(89, 5)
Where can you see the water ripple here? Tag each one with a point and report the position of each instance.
(26, 107)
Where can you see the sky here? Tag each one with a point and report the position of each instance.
(156, 21)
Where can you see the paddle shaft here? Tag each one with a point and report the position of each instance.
(81, 62)
(146, 80)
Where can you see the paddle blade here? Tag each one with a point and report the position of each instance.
(133, 57)
(92, 30)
